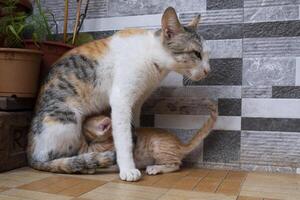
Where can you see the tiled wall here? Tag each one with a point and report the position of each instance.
(255, 62)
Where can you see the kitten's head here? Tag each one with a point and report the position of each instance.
(185, 45)
(97, 128)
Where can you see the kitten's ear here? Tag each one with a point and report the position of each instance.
(195, 22)
(104, 124)
(170, 23)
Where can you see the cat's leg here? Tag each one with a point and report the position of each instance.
(157, 169)
(121, 106)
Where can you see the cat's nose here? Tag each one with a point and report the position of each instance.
(206, 71)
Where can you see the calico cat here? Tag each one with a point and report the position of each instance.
(119, 72)
(156, 150)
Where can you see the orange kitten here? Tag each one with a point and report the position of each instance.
(157, 150)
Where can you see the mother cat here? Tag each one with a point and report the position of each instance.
(121, 72)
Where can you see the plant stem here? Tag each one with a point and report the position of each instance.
(77, 21)
(66, 20)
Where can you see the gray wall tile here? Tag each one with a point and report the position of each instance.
(223, 72)
(276, 13)
(226, 16)
(142, 7)
(291, 92)
(259, 91)
(270, 148)
(270, 47)
(230, 48)
(222, 146)
(270, 124)
(260, 3)
(223, 31)
(269, 71)
(229, 107)
(221, 4)
(272, 29)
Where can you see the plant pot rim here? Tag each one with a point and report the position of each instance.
(54, 43)
(21, 50)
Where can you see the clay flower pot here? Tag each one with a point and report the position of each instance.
(19, 72)
(52, 52)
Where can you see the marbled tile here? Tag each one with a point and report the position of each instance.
(212, 92)
(261, 3)
(271, 47)
(276, 13)
(291, 92)
(223, 72)
(96, 8)
(179, 105)
(185, 136)
(271, 29)
(172, 79)
(147, 120)
(221, 31)
(222, 146)
(269, 71)
(229, 107)
(224, 16)
(270, 124)
(298, 71)
(270, 148)
(271, 108)
(259, 91)
(142, 7)
(196, 121)
(221, 4)
(231, 48)
(266, 168)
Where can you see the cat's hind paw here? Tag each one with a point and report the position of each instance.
(130, 175)
(152, 170)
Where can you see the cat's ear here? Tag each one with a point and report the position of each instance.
(170, 23)
(195, 22)
(104, 125)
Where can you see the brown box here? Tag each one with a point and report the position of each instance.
(13, 139)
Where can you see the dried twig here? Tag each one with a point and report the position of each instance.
(79, 2)
(66, 20)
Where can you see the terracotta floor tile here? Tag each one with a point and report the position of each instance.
(200, 173)
(217, 174)
(208, 184)
(33, 195)
(230, 187)
(187, 183)
(168, 181)
(174, 194)
(81, 188)
(119, 191)
(2, 188)
(248, 198)
(236, 176)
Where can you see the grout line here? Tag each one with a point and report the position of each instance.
(221, 182)
(200, 179)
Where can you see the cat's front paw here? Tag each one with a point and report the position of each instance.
(130, 175)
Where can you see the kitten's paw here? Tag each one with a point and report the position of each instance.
(106, 158)
(130, 175)
(152, 170)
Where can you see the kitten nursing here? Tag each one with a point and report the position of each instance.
(156, 150)
(118, 72)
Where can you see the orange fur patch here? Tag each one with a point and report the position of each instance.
(93, 50)
(131, 31)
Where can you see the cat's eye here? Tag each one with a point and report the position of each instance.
(198, 54)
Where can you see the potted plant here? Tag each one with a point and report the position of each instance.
(19, 67)
(20, 6)
(44, 39)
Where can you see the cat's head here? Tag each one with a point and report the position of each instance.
(98, 128)
(186, 46)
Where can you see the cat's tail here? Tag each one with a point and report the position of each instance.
(204, 130)
(86, 163)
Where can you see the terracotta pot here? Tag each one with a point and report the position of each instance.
(19, 72)
(22, 5)
(52, 52)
